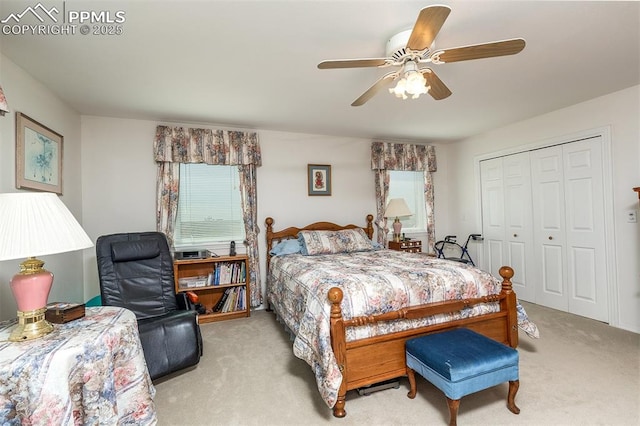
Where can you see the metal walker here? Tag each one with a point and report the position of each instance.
(451, 250)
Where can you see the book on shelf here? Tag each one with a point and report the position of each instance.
(233, 299)
(232, 272)
(228, 305)
(240, 303)
(222, 301)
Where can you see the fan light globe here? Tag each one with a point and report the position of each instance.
(416, 84)
(413, 83)
(399, 89)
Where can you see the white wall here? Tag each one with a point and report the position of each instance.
(282, 181)
(28, 96)
(619, 111)
(119, 177)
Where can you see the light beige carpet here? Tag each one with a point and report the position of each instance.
(580, 372)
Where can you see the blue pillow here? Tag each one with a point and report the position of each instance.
(290, 246)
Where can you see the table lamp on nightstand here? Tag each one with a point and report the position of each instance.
(35, 224)
(397, 208)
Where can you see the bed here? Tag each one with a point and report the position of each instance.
(351, 305)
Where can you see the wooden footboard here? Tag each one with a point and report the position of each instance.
(375, 359)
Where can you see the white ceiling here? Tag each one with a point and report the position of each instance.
(253, 64)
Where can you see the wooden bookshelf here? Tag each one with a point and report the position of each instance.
(210, 279)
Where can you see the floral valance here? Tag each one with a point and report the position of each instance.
(400, 156)
(219, 147)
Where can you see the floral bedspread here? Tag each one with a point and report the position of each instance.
(90, 371)
(373, 282)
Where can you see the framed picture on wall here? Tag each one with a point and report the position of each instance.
(38, 156)
(319, 179)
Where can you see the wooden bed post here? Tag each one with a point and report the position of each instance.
(369, 229)
(508, 304)
(269, 222)
(339, 345)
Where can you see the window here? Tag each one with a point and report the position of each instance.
(209, 206)
(410, 186)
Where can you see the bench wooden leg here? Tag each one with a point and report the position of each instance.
(453, 411)
(511, 398)
(412, 383)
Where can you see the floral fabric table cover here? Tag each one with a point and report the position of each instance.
(88, 371)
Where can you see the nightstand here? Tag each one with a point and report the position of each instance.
(411, 246)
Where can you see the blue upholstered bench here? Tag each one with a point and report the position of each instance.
(460, 362)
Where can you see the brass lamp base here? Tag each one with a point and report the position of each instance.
(31, 325)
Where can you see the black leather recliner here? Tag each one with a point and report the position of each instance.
(136, 273)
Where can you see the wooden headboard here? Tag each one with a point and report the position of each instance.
(292, 232)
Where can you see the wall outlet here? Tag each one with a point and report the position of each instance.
(632, 216)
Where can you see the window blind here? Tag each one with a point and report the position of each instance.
(209, 206)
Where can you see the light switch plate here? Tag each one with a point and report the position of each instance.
(632, 216)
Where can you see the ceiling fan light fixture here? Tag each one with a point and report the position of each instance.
(412, 83)
(416, 84)
(399, 90)
(408, 49)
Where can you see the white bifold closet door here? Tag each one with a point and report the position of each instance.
(568, 223)
(543, 214)
(506, 220)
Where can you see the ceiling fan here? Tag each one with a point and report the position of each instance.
(413, 47)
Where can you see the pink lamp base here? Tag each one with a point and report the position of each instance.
(31, 291)
(397, 228)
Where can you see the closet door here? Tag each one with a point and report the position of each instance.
(585, 236)
(518, 224)
(568, 220)
(549, 227)
(543, 215)
(506, 220)
(493, 227)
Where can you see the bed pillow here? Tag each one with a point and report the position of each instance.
(333, 242)
(291, 246)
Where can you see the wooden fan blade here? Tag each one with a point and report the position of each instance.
(371, 91)
(438, 90)
(479, 51)
(427, 26)
(352, 63)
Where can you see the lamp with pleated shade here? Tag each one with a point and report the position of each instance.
(397, 208)
(35, 224)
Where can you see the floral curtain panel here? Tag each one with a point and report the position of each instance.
(382, 178)
(168, 182)
(387, 156)
(175, 145)
(249, 198)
